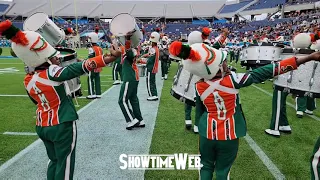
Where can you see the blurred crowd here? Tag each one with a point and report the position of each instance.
(292, 23)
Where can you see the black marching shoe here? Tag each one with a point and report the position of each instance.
(188, 124)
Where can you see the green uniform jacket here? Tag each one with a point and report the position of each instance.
(130, 70)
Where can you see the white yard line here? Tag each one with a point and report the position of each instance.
(20, 133)
(12, 63)
(12, 95)
(38, 142)
(289, 104)
(274, 170)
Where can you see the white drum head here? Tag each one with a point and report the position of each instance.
(121, 24)
(35, 21)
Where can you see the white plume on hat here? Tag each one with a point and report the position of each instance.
(302, 40)
(195, 37)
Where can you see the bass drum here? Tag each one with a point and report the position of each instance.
(183, 87)
(302, 81)
(67, 57)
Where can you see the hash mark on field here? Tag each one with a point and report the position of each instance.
(264, 158)
(12, 63)
(12, 95)
(20, 133)
(289, 104)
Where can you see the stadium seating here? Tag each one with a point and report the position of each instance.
(3, 7)
(264, 4)
(233, 7)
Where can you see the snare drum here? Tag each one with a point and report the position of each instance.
(40, 23)
(183, 87)
(67, 57)
(260, 54)
(142, 70)
(301, 81)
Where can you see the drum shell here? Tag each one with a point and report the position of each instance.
(183, 87)
(142, 70)
(122, 24)
(260, 55)
(298, 81)
(73, 84)
(48, 30)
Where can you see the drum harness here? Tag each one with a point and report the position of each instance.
(311, 81)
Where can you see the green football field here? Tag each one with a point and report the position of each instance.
(260, 156)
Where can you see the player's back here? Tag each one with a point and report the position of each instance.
(54, 105)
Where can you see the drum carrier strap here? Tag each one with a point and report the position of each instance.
(216, 85)
(36, 78)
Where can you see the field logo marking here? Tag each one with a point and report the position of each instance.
(9, 70)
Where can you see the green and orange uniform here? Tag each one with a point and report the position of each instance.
(221, 120)
(129, 88)
(152, 70)
(94, 82)
(56, 114)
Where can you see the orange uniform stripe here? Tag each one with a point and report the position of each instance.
(156, 63)
(232, 132)
(209, 124)
(98, 51)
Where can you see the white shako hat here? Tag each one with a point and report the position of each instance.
(29, 46)
(199, 59)
(94, 37)
(195, 37)
(154, 37)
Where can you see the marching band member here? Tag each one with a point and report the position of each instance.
(163, 47)
(198, 37)
(218, 109)
(305, 105)
(94, 82)
(152, 66)
(56, 114)
(129, 87)
(279, 121)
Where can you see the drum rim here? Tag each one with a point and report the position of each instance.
(292, 91)
(117, 16)
(298, 51)
(72, 56)
(38, 27)
(181, 97)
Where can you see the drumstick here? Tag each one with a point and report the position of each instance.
(105, 32)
